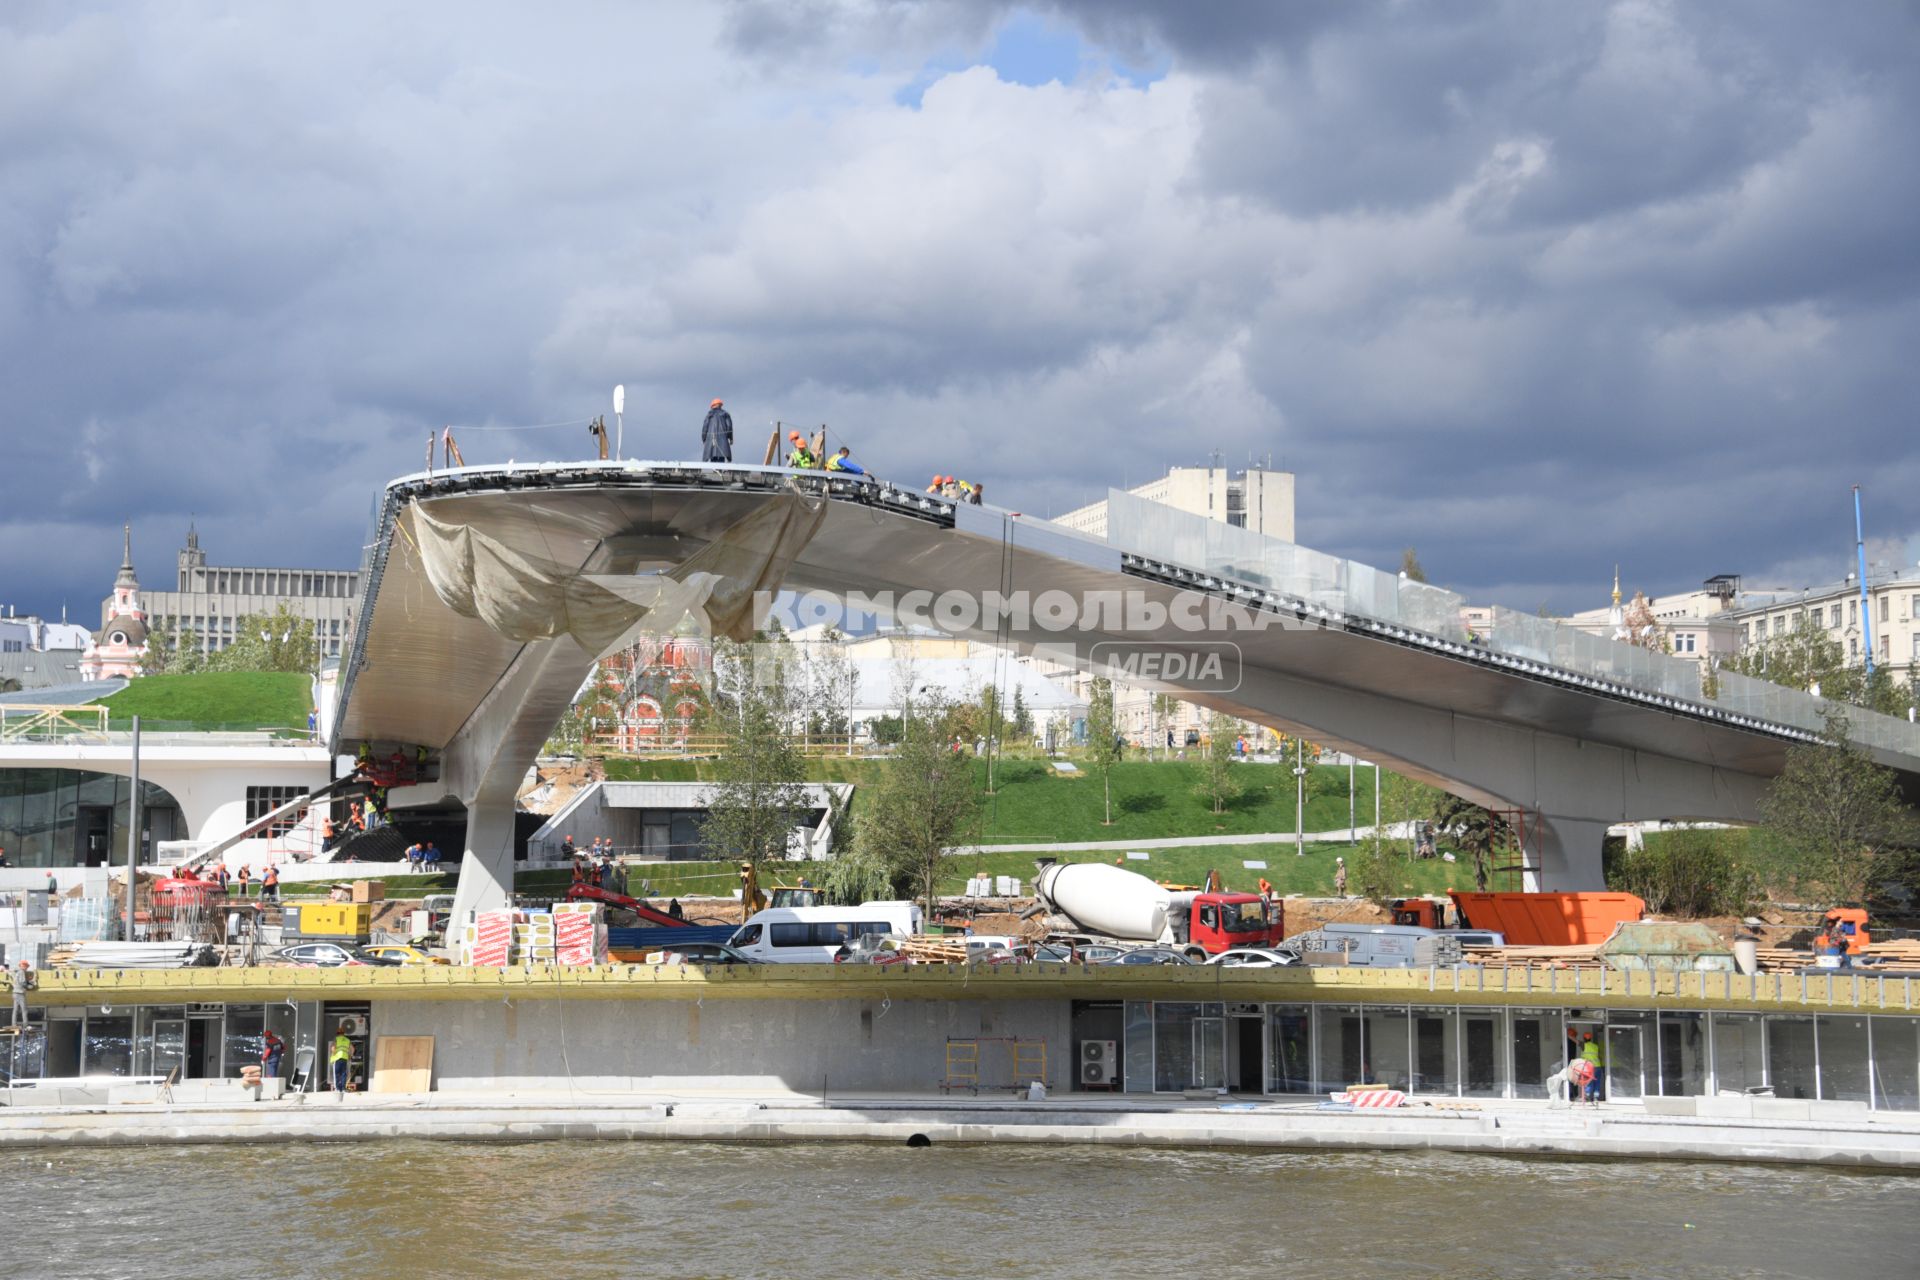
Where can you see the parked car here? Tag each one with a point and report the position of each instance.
(1254, 958)
(329, 955)
(705, 953)
(1149, 955)
(403, 954)
(1089, 952)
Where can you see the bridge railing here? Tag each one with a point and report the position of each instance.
(1352, 589)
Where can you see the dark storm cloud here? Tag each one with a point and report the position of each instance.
(1534, 288)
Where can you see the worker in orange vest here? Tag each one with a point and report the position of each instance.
(245, 877)
(270, 883)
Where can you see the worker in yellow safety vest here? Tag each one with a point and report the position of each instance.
(801, 458)
(339, 1060)
(1594, 1055)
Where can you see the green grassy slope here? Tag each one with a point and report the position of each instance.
(215, 700)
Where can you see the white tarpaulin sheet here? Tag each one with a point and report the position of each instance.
(525, 597)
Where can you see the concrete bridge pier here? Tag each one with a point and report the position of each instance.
(484, 766)
(1565, 854)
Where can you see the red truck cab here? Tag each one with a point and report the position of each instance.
(1217, 922)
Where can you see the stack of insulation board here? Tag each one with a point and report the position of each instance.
(580, 936)
(533, 938)
(488, 941)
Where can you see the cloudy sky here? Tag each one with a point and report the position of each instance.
(1535, 288)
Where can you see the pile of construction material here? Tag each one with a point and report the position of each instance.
(993, 887)
(1583, 957)
(570, 933)
(134, 955)
(1898, 953)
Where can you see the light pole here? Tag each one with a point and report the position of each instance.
(619, 420)
(133, 823)
(1300, 798)
(1353, 833)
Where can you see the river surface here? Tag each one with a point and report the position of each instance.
(581, 1211)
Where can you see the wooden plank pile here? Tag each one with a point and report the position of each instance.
(1581, 957)
(933, 949)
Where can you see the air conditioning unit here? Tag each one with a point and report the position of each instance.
(354, 1024)
(1099, 1061)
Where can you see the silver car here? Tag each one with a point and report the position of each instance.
(1254, 958)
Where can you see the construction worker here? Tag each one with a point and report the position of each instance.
(841, 462)
(933, 485)
(340, 1060)
(244, 877)
(1592, 1054)
(800, 458)
(270, 883)
(716, 434)
(973, 493)
(23, 982)
(272, 1048)
(329, 835)
(1340, 877)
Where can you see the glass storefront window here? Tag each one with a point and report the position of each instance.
(73, 817)
(1138, 1074)
(1483, 1053)
(1189, 1047)
(1539, 1050)
(1844, 1060)
(1290, 1049)
(245, 1023)
(108, 1042)
(1436, 1048)
(1790, 1057)
(1364, 1045)
(1683, 1055)
(1739, 1052)
(1896, 1063)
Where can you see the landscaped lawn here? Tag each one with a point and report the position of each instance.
(215, 700)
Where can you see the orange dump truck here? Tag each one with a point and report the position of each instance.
(1527, 919)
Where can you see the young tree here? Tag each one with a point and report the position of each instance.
(1163, 707)
(758, 796)
(277, 641)
(1642, 628)
(1218, 782)
(1022, 717)
(1410, 567)
(1478, 832)
(1837, 816)
(1104, 746)
(922, 802)
(830, 683)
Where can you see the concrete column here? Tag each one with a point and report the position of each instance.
(486, 866)
(1567, 854)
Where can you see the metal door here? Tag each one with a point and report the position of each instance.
(1626, 1077)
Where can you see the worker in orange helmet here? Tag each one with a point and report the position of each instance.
(716, 434)
(801, 458)
(933, 486)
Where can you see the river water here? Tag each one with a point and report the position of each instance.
(580, 1211)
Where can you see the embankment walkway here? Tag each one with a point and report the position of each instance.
(1611, 1131)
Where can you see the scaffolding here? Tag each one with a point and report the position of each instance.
(1026, 1062)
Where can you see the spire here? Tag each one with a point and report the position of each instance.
(1616, 584)
(193, 536)
(127, 578)
(1616, 617)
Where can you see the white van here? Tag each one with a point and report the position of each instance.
(810, 935)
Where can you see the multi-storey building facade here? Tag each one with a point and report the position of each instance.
(1892, 618)
(1254, 499)
(210, 600)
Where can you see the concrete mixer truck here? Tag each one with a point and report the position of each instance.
(1094, 902)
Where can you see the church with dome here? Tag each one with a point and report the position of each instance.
(116, 649)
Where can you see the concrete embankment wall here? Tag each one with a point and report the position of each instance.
(804, 1046)
(533, 1117)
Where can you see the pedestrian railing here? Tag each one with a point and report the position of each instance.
(27, 722)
